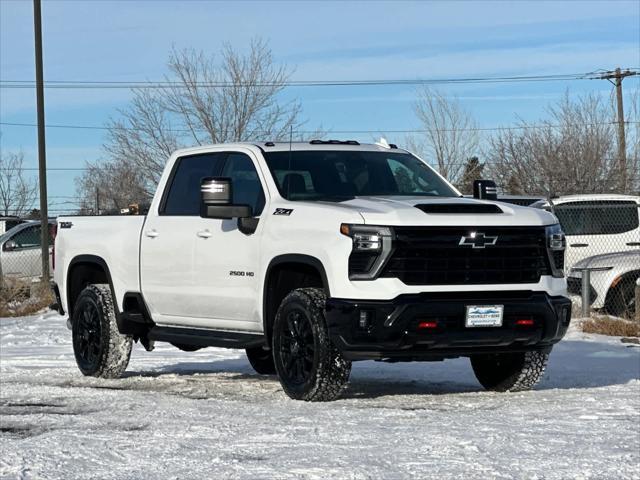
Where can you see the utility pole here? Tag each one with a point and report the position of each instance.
(42, 157)
(616, 78)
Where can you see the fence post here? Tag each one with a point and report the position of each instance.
(586, 292)
(638, 300)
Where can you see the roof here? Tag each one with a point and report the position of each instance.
(267, 146)
(595, 197)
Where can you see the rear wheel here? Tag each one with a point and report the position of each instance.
(509, 372)
(261, 360)
(309, 366)
(622, 301)
(100, 349)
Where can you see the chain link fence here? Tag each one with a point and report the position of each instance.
(602, 262)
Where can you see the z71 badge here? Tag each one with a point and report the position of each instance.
(283, 211)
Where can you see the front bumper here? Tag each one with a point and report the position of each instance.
(393, 329)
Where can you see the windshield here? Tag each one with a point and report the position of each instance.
(335, 174)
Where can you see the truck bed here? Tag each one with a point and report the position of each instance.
(115, 239)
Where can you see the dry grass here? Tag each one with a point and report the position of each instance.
(19, 298)
(616, 327)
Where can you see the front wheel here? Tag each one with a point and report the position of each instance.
(309, 366)
(100, 349)
(509, 372)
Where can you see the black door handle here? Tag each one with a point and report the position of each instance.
(633, 244)
(579, 245)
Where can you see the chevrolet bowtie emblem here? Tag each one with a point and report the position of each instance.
(477, 240)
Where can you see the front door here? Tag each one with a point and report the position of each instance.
(227, 282)
(169, 241)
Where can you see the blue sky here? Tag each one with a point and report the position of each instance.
(130, 41)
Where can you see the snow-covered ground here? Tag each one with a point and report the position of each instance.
(207, 415)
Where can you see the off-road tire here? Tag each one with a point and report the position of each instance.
(100, 349)
(509, 372)
(328, 371)
(261, 360)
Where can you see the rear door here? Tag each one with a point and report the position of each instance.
(598, 227)
(169, 240)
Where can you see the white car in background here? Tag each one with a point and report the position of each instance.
(20, 253)
(612, 282)
(596, 224)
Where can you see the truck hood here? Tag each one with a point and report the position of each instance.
(454, 211)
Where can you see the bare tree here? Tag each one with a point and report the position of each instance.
(17, 192)
(633, 140)
(450, 135)
(201, 102)
(109, 186)
(573, 151)
(473, 170)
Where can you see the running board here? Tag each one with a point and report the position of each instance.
(206, 338)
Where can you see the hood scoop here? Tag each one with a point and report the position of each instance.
(461, 208)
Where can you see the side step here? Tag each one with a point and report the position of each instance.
(206, 338)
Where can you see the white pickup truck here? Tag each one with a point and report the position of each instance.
(313, 255)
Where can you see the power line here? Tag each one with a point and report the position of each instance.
(167, 84)
(416, 130)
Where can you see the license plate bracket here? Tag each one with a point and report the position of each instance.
(478, 316)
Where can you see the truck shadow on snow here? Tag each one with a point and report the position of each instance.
(573, 364)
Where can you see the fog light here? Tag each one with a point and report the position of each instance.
(524, 322)
(428, 325)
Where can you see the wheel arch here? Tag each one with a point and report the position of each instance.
(303, 271)
(83, 270)
(619, 282)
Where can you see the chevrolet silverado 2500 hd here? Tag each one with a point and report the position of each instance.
(311, 256)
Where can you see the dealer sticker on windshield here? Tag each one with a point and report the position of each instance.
(484, 315)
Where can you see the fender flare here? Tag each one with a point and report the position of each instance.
(303, 259)
(92, 260)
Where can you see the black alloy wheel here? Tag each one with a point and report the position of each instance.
(297, 347)
(87, 336)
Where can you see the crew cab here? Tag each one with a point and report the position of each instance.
(311, 256)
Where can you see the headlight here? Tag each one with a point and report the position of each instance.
(371, 248)
(556, 244)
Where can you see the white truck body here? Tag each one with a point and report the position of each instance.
(181, 264)
(310, 256)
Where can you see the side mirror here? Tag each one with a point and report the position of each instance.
(216, 196)
(10, 246)
(485, 190)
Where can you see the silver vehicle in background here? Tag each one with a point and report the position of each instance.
(20, 252)
(613, 280)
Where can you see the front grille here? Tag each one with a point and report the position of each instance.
(434, 256)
